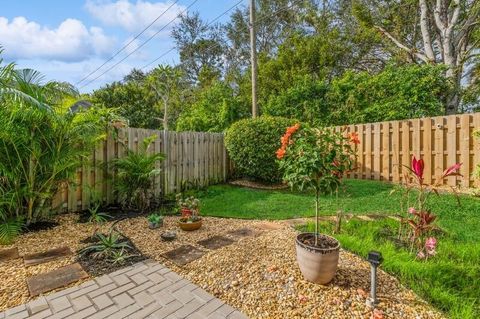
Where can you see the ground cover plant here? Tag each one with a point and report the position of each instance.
(450, 280)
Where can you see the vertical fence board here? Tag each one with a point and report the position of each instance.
(476, 146)
(405, 153)
(368, 151)
(427, 149)
(385, 151)
(376, 151)
(464, 147)
(396, 151)
(451, 146)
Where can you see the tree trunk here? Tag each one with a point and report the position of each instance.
(165, 115)
(452, 102)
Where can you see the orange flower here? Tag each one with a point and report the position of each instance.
(354, 138)
(293, 129)
(280, 153)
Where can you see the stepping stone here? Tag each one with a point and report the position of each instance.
(49, 255)
(57, 278)
(365, 218)
(215, 242)
(243, 232)
(377, 216)
(184, 254)
(9, 254)
(269, 226)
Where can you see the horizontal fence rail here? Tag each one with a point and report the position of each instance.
(386, 147)
(192, 159)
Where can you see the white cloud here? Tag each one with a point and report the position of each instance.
(70, 41)
(133, 17)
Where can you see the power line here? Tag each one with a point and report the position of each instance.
(141, 45)
(209, 24)
(126, 45)
(217, 44)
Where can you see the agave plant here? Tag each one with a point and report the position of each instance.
(42, 143)
(106, 246)
(135, 173)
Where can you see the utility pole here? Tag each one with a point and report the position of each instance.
(253, 57)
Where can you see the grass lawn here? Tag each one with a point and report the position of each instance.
(450, 281)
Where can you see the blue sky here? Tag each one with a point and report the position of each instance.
(66, 40)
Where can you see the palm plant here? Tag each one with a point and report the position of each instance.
(41, 144)
(135, 173)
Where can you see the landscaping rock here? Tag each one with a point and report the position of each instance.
(46, 256)
(9, 254)
(215, 242)
(184, 254)
(60, 277)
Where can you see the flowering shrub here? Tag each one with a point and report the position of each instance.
(421, 219)
(315, 159)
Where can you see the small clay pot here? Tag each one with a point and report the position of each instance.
(189, 226)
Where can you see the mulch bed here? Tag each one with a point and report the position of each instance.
(257, 185)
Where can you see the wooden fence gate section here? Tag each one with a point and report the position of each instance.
(191, 159)
(441, 141)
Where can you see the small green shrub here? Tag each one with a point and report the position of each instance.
(135, 173)
(251, 144)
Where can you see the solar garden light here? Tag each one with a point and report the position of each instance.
(375, 258)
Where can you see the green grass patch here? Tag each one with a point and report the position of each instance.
(450, 280)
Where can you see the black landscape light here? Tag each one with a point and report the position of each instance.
(375, 258)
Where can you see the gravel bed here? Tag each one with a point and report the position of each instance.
(258, 275)
(261, 278)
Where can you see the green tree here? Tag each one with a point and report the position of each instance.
(214, 110)
(166, 82)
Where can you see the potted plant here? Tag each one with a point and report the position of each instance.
(316, 159)
(189, 209)
(155, 220)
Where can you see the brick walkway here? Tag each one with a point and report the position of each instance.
(144, 290)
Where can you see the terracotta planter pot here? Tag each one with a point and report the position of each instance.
(186, 211)
(316, 264)
(190, 226)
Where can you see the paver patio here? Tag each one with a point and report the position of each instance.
(145, 290)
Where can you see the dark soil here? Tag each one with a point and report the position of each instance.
(117, 213)
(98, 267)
(323, 242)
(257, 185)
(40, 225)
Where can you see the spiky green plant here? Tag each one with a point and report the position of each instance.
(135, 173)
(106, 246)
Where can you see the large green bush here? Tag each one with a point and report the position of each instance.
(251, 144)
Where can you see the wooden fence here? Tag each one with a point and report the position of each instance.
(191, 159)
(441, 141)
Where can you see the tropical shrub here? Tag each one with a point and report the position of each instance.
(251, 144)
(316, 159)
(135, 173)
(420, 219)
(42, 144)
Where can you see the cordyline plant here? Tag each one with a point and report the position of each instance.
(420, 218)
(316, 159)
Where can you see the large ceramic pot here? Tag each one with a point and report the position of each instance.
(190, 225)
(317, 264)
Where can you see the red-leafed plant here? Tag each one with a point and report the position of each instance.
(420, 219)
